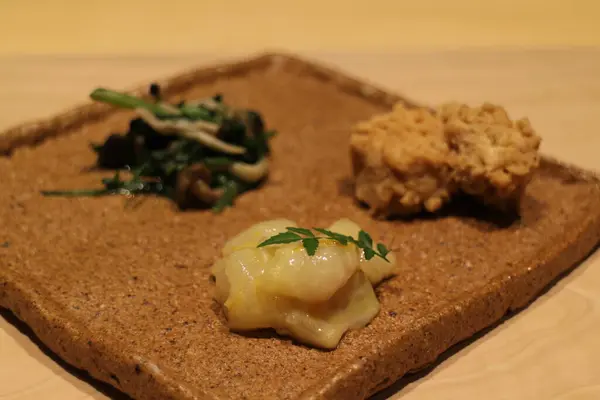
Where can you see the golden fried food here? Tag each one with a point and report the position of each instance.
(401, 162)
(494, 157)
(414, 159)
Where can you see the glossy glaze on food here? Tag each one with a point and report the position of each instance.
(315, 299)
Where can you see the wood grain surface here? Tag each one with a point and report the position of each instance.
(548, 351)
(175, 26)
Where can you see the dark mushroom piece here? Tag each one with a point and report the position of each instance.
(154, 91)
(246, 122)
(256, 131)
(193, 187)
(117, 151)
(254, 122)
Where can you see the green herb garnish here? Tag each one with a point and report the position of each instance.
(231, 188)
(201, 153)
(114, 185)
(310, 241)
(124, 100)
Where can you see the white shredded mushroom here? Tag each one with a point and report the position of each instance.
(201, 131)
(250, 172)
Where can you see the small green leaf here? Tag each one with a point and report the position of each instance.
(311, 245)
(311, 242)
(230, 192)
(365, 239)
(369, 253)
(338, 237)
(301, 231)
(281, 238)
(382, 249)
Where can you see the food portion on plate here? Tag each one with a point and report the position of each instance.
(416, 159)
(201, 153)
(311, 284)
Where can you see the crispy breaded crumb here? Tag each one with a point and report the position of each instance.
(413, 159)
(401, 162)
(495, 157)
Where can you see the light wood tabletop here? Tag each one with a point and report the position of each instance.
(548, 351)
(188, 26)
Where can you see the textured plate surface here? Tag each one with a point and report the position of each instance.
(123, 292)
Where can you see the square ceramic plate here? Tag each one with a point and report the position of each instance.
(124, 293)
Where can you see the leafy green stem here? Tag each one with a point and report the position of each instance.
(231, 190)
(193, 112)
(124, 100)
(80, 192)
(311, 242)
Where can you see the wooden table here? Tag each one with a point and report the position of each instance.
(549, 351)
(177, 26)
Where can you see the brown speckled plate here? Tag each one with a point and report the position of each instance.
(123, 291)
